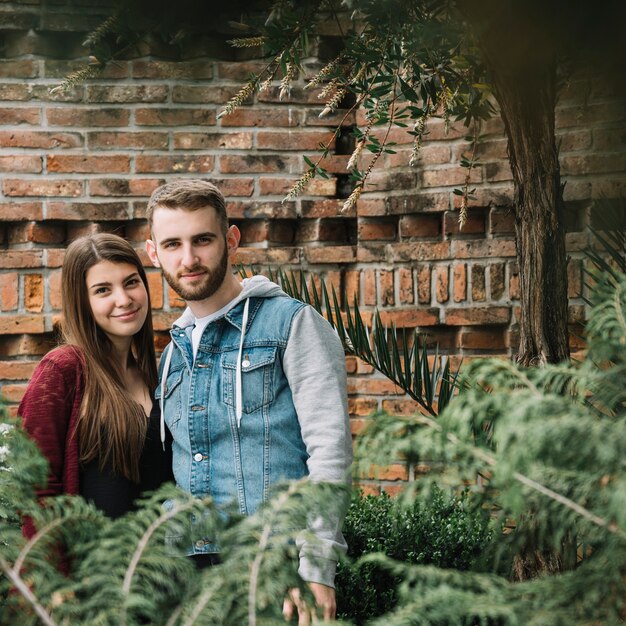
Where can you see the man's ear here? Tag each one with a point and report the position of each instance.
(233, 237)
(152, 255)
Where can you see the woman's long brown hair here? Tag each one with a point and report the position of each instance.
(112, 425)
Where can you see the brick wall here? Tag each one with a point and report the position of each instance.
(87, 160)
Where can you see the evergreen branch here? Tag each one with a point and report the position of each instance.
(480, 454)
(25, 591)
(204, 599)
(145, 538)
(33, 540)
(255, 570)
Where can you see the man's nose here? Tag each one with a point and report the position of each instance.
(189, 256)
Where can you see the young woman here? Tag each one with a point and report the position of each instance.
(89, 403)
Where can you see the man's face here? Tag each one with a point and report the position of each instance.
(191, 250)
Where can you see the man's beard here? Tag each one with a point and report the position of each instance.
(209, 284)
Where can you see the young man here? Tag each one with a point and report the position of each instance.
(253, 383)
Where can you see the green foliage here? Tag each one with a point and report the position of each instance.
(436, 530)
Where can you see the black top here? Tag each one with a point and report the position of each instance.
(115, 495)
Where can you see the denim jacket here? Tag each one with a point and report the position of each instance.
(264, 401)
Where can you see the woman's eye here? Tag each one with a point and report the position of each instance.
(100, 290)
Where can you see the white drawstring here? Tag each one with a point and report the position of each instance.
(166, 367)
(238, 381)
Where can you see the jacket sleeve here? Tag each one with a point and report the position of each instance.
(46, 409)
(314, 364)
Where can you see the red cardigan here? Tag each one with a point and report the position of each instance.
(49, 412)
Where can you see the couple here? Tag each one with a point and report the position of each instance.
(252, 386)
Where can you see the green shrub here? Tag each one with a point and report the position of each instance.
(439, 530)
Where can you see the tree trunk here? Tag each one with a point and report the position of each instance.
(517, 43)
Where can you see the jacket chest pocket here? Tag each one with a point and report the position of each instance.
(257, 377)
(172, 400)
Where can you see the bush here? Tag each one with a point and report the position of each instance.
(439, 530)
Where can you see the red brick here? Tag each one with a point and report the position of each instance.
(13, 393)
(14, 92)
(388, 180)
(376, 230)
(39, 139)
(263, 118)
(482, 248)
(88, 211)
(117, 140)
(574, 141)
(401, 407)
(20, 258)
(273, 256)
(405, 280)
(324, 208)
(20, 163)
(281, 186)
(352, 290)
(19, 115)
(33, 293)
(80, 116)
(180, 163)
(237, 209)
(240, 71)
(126, 94)
(496, 274)
(83, 164)
(362, 367)
(475, 223)
(16, 370)
(155, 285)
(204, 95)
(20, 324)
(21, 211)
(498, 172)
(56, 256)
(514, 288)
(592, 164)
(18, 68)
(442, 274)
(420, 226)
(502, 222)
(453, 175)
(369, 287)
(331, 254)
(371, 386)
(178, 70)
(206, 141)
(479, 290)
(9, 291)
(385, 279)
(293, 140)
(368, 252)
(419, 251)
(390, 472)
(175, 117)
(576, 314)
(483, 339)
(423, 285)
(611, 139)
(371, 207)
(25, 345)
(362, 407)
(37, 232)
(478, 316)
(459, 282)
(123, 187)
(574, 278)
(42, 187)
(257, 163)
(410, 318)
(436, 129)
(55, 299)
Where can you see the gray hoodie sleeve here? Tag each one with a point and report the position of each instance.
(314, 364)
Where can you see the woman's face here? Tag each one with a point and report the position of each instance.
(118, 298)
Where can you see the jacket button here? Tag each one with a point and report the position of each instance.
(200, 543)
(197, 456)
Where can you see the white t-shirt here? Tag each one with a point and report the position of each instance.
(202, 322)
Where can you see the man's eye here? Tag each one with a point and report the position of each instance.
(170, 244)
(203, 240)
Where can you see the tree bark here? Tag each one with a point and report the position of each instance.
(517, 42)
